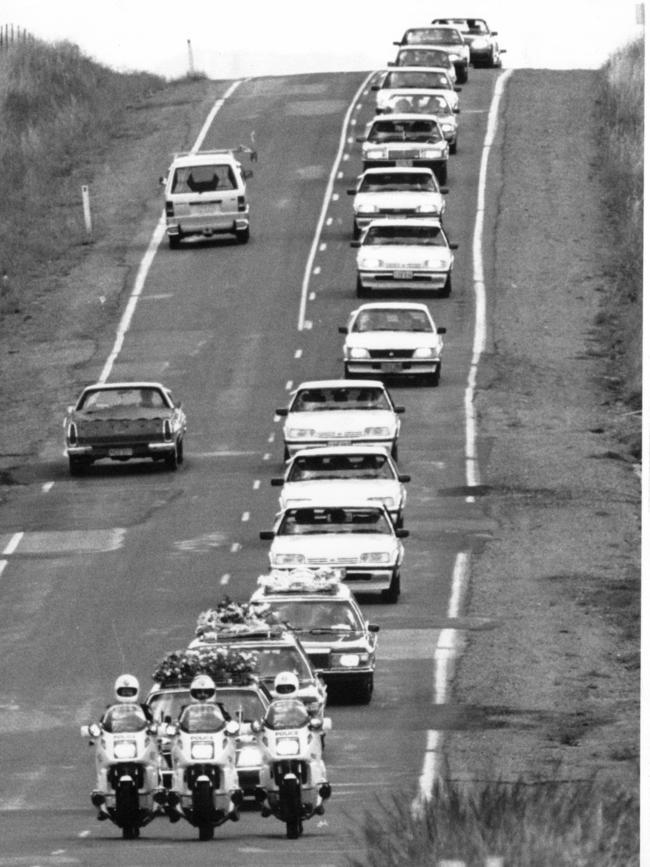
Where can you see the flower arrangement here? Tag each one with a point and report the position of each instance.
(303, 580)
(223, 664)
(234, 619)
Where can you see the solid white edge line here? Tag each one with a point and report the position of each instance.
(447, 644)
(471, 457)
(326, 203)
(152, 248)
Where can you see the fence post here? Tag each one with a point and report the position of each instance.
(88, 221)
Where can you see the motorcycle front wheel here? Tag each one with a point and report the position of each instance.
(126, 809)
(202, 810)
(291, 806)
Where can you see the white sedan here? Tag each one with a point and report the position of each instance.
(340, 412)
(356, 474)
(404, 254)
(361, 539)
(396, 192)
(392, 338)
(426, 102)
(401, 80)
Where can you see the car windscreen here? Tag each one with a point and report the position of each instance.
(315, 614)
(109, 398)
(404, 130)
(340, 398)
(317, 521)
(425, 236)
(439, 35)
(272, 660)
(286, 714)
(308, 468)
(402, 182)
(392, 320)
(422, 104)
(422, 57)
(201, 718)
(414, 78)
(240, 704)
(203, 179)
(124, 719)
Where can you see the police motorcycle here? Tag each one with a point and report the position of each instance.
(205, 789)
(127, 761)
(293, 779)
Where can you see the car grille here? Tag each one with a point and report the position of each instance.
(320, 660)
(411, 154)
(391, 353)
(339, 435)
(330, 561)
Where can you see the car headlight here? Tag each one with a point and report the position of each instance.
(369, 263)
(365, 208)
(299, 433)
(454, 56)
(389, 502)
(375, 154)
(249, 757)
(375, 557)
(447, 127)
(424, 352)
(287, 746)
(433, 152)
(350, 660)
(202, 750)
(287, 559)
(427, 209)
(481, 42)
(125, 749)
(376, 432)
(358, 352)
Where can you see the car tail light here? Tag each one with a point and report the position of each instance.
(241, 203)
(72, 434)
(169, 209)
(167, 429)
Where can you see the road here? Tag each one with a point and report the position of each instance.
(107, 572)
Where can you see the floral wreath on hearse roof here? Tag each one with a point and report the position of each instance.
(237, 620)
(224, 665)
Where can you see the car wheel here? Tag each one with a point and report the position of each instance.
(77, 466)
(243, 235)
(287, 453)
(362, 292)
(399, 522)
(356, 231)
(393, 592)
(441, 173)
(171, 461)
(394, 451)
(346, 372)
(433, 379)
(179, 452)
(364, 692)
(445, 292)
(453, 147)
(174, 241)
(462, 75)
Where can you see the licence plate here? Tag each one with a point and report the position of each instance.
(391, 367)
(120, 453)
(403, 162)
(403, 275)
(211, 208)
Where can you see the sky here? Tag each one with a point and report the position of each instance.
(258, 37)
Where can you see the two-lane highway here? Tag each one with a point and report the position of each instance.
(107, 572)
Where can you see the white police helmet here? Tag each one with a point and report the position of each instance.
(127, 688)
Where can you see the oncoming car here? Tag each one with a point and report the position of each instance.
(120, 421)
(356, 473)
(400, 81)
(425, 102)
(394, 339)
(340, 412)
(339, 641)
(445, 37)
(396, 192)
(404, 254)
(405, 140)
(425, 55)
(360, 539)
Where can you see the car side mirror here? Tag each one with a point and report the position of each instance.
(441, 330)
(453, 246)
(282, 411)
(162, 181)
(404, 477)
(399, 409)
(352, 192)
(402, 534)
(256, 726)
(343, 329)
(494, 32)
(361, 138)
(277, 482)
(373, 627)
(247, 173)
(374, 87)
(267, 534)
(444, 190)
(391, 63)
(458, 89)
(355, 243)
(503, 51)
(92, 730)
(70, 409)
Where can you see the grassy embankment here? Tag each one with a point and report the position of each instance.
(58, 109)
(552, 823)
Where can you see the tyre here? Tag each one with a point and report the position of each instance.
(364, 693)
(433, 379)
(126, 808)
(243, 235)
(362, 292)
(180, 457)
(287, 454)
(130, 832)
(202, 809)
(171, 461)
(291, 807)
(356, 231)
(445, 292)
(346, 372)
(77, 466)
(399, 522)
(206, 832)
(462, 75)
(441, 173)
(393, 592)
(453, 147)
(174, 241)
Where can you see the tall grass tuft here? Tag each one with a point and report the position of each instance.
(621, 132)
(540, 824)
(56, 107)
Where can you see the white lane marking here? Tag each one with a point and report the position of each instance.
(288, 385)
(225, 578)
(317, 270)
(47, 487)
(3, 565)
(157, 297)
(152, 249)
(73, 541)
(13, 543)
(266, 456)
(236, 546)
(329, 221)
(297, 353)
(256, 485)
(323, 247)
(271, 437)
(246, 516)
(83, 834)
(302, 324)
(471, 457)
(312, 296)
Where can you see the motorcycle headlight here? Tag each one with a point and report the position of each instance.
(376, 432)
(125, 749)
(299, 433)
(358, 352)
(424, 352)
(375, 557)
(202, 750)
(288, 559)
(249, 756)
(287, 746)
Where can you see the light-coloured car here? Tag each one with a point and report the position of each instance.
(400, 81)
(446, 37)
(396, 192)
(205, 194)
(425, 55)
(483, 45)
(426, 102)
(361, 539)
(404, 254)
(394, 339)
(339, 641)
(405, 140)
(356, 473)
(341, 412)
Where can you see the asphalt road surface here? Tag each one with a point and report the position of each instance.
(107, 572)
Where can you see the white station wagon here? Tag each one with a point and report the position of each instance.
(404, 254)
(361, 539)
(405, 140)
(401, 80)
(356, 474)
(396, 192)
(341, 412)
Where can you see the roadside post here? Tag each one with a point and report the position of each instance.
(88, 222)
